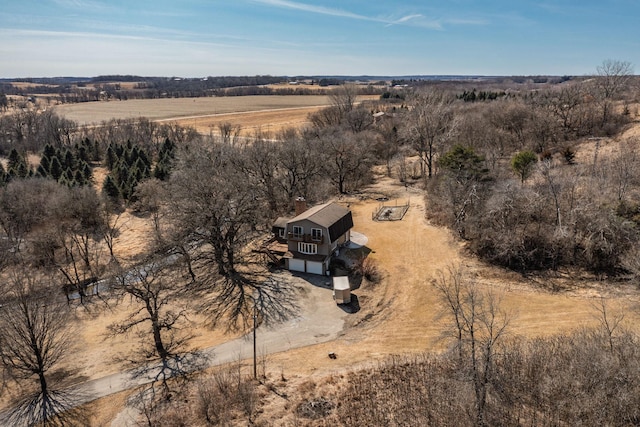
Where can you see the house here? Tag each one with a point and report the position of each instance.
(313, 235)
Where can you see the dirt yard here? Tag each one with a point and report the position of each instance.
(399, 314)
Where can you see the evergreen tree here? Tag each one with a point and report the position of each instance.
(96, 153)
(79, 178)
(41, 172)
(83, 154)
(17, 165)
(110, 189)
(43, 167)
(166, 157)
(87, 172)
(69, 161)
(142, 155)
(133, 155)
(142, 169)
(463, 163)
(160, 172)
(47, 154)
(3, 175)
(55, 168)
(167, 148)
(111, 157)
(48, 151)
(522, 164)
(68, 174)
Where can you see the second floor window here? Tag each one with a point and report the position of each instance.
(297, 231)
(316, 234)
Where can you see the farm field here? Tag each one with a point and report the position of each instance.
(186, 108)
(268, 122)
(269, 113)
(175, 108)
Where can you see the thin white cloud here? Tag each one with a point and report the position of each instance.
(413, 20)
(321, 10)
(408, 18)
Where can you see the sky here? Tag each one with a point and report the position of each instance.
(199, 38)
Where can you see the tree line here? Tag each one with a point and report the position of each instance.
(109, 88)
(506, 178)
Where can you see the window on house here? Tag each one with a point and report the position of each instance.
(281, 233)
(297, 231)
(316, 234)
(307, 248)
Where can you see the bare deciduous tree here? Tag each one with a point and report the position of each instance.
(610, 320)
(613, 76)
(348, 158)
(624, 169)
(229, 132)
(34, 339)
(432, 124)
(156, 294)
(301, 166)
(344, 98)
(80, 226)
(480, 326)
(216, 210)
(158, 317)
(258, 161)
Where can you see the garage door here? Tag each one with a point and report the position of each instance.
(314, 267)
(296, 265)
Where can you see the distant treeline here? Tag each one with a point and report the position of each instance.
(111, 87)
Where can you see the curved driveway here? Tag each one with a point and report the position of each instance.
(319, 320)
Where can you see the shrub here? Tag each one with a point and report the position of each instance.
(367, 268)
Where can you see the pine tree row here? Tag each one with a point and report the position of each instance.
(129, 164)
(68, 166)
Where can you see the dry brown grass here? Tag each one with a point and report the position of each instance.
(102, 411)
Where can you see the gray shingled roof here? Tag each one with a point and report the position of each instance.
(330, 215)
(281, 222)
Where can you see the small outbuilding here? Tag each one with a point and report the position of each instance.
(341, 290)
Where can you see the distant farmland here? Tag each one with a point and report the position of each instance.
(183, 108)
(267, 112)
